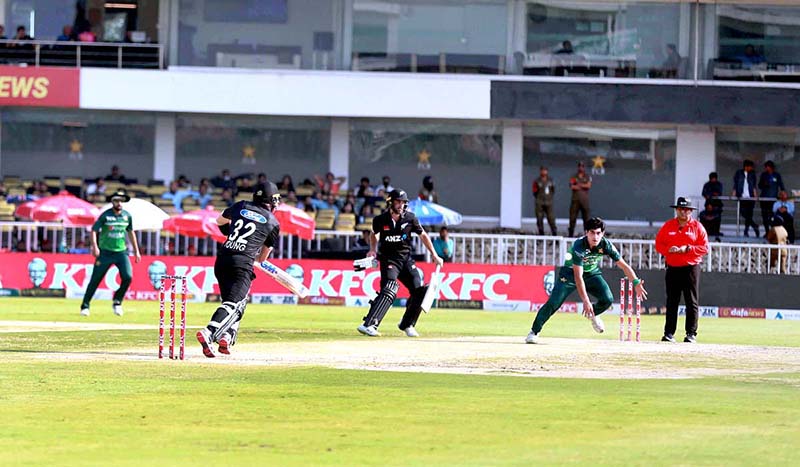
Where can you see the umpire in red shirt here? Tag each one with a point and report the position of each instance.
(683, 242)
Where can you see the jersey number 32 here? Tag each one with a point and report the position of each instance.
(238, 236)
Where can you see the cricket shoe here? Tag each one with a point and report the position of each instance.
(668, 338)
(532, 338)
(85, 311)
(689, 339)
(204, 338)
(597, 324)
(224, 344)
(410, 331)
(117, 307)
(371, 331)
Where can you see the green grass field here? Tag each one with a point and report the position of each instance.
(76, 411)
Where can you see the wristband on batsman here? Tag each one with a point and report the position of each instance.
(637, 281)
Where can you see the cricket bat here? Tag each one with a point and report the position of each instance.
(284, 279)
(365, 263)
(433, 290)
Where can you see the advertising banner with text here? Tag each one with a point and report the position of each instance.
(39, 86)
(331, 279)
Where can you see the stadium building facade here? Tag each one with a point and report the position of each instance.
(651, 95)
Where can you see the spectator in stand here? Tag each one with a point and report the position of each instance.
(246, 186)
(711, 219)
(348, 208)
(184, 183)
(566, 49)
(427, 192)
(363, 188)
(202, 195)
(669, 69)
(3, 190)
(744, 188)
(116, 175)
(331, 203)
(386, 184)
(331, 183)
(316, 201)
(784, 209)
(174, 194)
(3, 32)
(444, 245)
(778, 235)
(712, 190)
(66, 34)
(37, 190)
(21, 35)
(365, 214)
(227, 197)
(286, 184)
(80, 248)
(224, 180)
(751, 57)
(291, 200)
(262, 179)
(21, 246)
(96, 191)
(770, 183)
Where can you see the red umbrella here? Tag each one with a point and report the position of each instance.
(63, 207)
(25, 210)
(200, 223)
(295, 221)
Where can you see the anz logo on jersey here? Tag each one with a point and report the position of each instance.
(395, 238)
(253, 216)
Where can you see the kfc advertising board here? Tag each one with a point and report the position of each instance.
(39, 86)
(330, 279)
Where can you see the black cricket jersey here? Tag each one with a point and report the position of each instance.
(395, 238)
(252, 226)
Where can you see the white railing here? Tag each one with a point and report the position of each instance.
(477, 248)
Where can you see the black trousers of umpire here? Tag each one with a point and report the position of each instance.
(406, 273)
(682, 280)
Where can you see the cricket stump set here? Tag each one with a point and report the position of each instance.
(627, 309)
(168, 293)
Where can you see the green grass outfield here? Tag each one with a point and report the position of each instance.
(94, 412)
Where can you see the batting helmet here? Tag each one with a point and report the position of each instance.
(267, 194)
(398, 195)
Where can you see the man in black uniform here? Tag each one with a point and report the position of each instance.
(252, 232)
(394, 228)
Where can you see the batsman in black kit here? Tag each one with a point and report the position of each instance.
(252, 232)
(393, 228)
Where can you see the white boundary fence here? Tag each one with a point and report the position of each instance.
(475, 248)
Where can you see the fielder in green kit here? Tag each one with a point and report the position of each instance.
(109, 249)
(581, 272)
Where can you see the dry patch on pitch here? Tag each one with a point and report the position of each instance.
(553, 357)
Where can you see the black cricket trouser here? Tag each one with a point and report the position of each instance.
(682, 280)
(406, 273)
(234, 279)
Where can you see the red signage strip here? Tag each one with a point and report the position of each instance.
(331, 279)
(39, 86)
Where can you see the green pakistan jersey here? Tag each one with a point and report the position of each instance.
(111, 230)
(581, 255)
